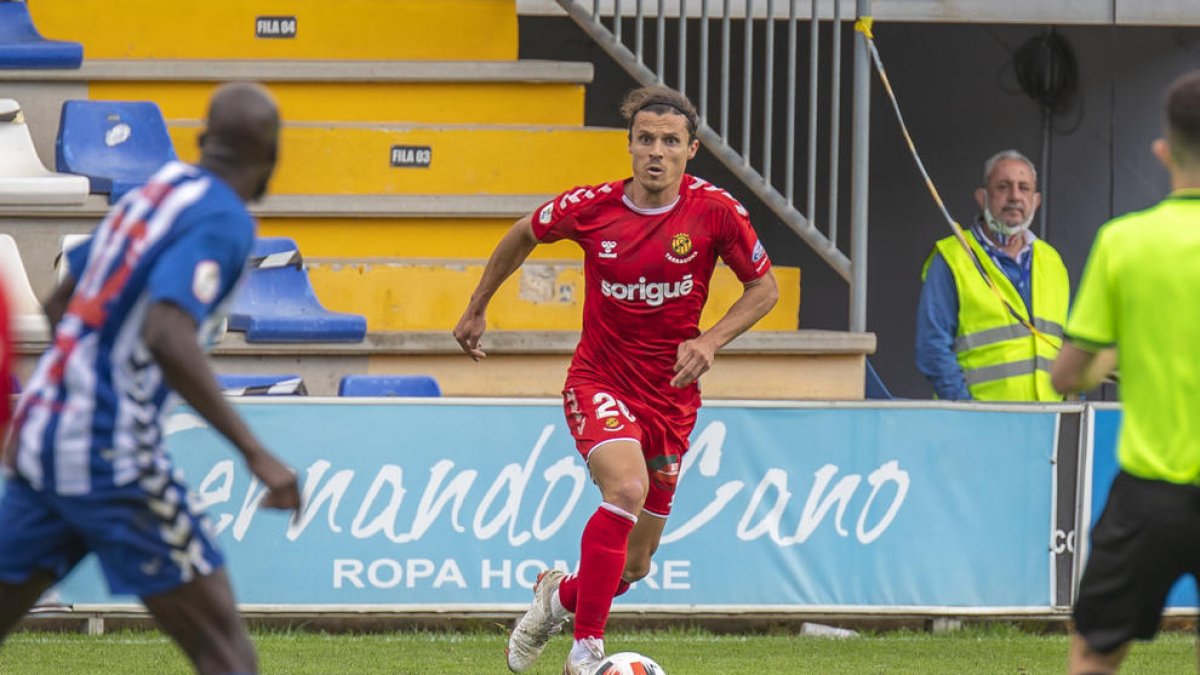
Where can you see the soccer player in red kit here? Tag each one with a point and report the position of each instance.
(650, 245)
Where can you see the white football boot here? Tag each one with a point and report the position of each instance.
(533, 631)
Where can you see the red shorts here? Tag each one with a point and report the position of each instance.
(596, 416)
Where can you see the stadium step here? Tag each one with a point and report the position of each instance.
(434, 243)
(468, 30)
(777, 365)
(420, 102)
(402, 267)
(425, 92)
(417, 294)
(322, 225)
(364, 158)
(411, 237)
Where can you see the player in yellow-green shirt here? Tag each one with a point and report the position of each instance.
(1140, 294)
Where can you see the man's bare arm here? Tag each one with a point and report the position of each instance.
(170, 334)
(514, 247)
(695, 357)
(1080, 369)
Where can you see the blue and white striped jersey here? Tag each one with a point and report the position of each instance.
(91, 415)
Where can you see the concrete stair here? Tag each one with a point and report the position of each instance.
(445, 92)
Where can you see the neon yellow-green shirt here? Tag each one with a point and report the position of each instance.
(1141, 292)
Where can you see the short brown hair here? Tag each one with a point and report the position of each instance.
(1183, 120)
(661, 101)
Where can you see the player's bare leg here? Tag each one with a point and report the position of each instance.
(643, 542)
(619, 469)
(1084, 660)
(202, 617)
(17, 599)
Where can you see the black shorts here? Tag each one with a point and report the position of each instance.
(1147, 538)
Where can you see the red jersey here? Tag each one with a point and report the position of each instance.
(647, 273)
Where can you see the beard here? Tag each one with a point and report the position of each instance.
(1000, 227)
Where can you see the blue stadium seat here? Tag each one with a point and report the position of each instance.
(277, 302)
(388, 385)
(118, 145)
(262, 385)
(875, 388)
(21, 46)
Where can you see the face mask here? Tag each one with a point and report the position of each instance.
(1000, 227)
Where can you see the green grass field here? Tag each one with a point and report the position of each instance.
(995, 649)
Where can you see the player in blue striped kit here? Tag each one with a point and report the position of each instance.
(87, 470)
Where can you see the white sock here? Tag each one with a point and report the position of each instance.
(579, 651)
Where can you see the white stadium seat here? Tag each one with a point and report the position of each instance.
(23, 177)
(61, 265)
(29, 321)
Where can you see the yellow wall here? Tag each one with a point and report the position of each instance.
(543, 295)
(416, 102)
(404, 237)
(355, 159)
(422, 30)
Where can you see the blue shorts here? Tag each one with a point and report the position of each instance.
(148, 538)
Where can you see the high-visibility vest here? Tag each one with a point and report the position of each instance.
(1001, 359)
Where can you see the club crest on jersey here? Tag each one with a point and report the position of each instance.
(609, 247)
(681, 249)
(546, 213)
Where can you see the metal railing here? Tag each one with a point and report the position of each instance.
(750, 156)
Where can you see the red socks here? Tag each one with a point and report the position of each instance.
(567, 592)
(589, 593)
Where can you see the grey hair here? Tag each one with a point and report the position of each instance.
(1003, 155)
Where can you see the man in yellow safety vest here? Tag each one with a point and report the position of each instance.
(993, 337)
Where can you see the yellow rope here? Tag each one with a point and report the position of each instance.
(864, 25)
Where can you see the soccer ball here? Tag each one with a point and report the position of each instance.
(629, 663)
